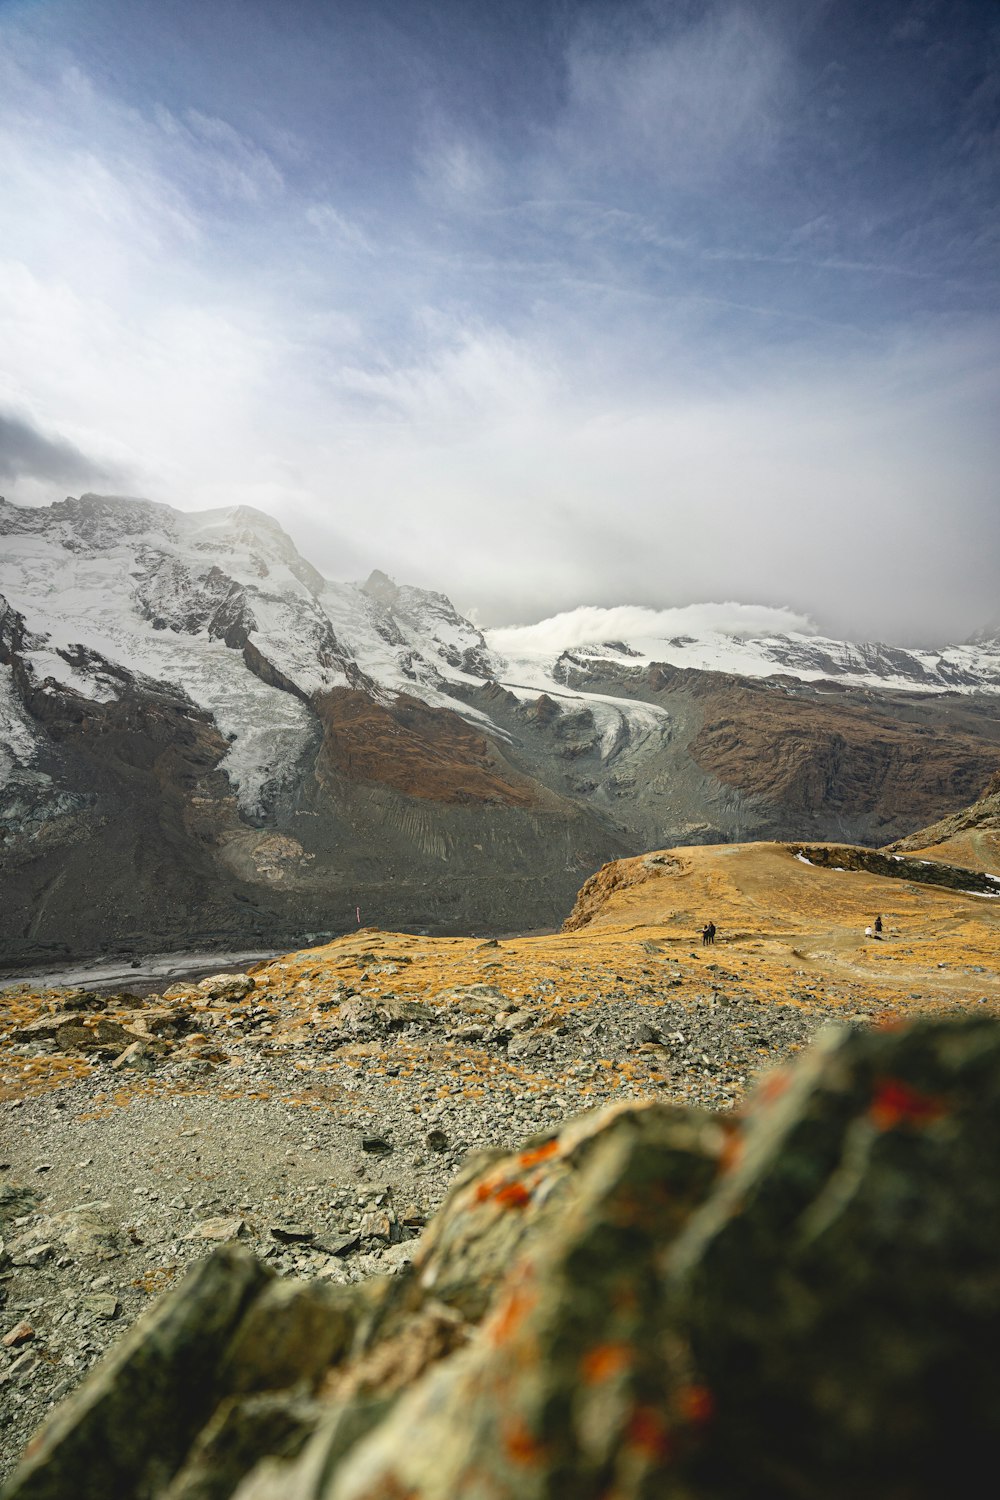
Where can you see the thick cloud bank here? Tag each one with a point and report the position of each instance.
(590, 625)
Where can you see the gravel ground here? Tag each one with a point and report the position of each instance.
(325, 1152)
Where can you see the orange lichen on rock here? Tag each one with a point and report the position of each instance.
(521, 1444)
(510, 1315)
(896, 1103)
(696, 1404)
(539, 1153)
(513, 1195)
(733, 1148)
(773, 1086)
(649, 1434)
(502, 1189)
(605, 1361)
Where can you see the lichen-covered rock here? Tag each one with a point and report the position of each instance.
(649, 1303)
(243, 1430)
(291, 1333)
(225, 986)
(126, 1431)
(839, 1292)
(309, 1478)
(563, 1391)
(87, 1231)
(501, 1203)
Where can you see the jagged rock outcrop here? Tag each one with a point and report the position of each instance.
(898, 867)
(805, 1301)
(595, 893)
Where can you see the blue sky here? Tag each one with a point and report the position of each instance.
(543, 304)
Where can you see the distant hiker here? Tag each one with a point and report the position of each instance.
(708, 934)
(868, 932)
(878, 926)
(712, 929)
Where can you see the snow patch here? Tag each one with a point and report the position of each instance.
(88, 684)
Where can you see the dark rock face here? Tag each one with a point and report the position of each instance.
(129, 1430)
(983, 817)
(110, 835)
(838, 1293)
(858, 761)
(650, 1302)
(897, 867)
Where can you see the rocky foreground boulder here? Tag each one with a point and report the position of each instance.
(650, 1302)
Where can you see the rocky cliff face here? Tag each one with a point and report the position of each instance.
(971, 835)
(203, 740)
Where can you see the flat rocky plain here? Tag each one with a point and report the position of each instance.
(318, 1107)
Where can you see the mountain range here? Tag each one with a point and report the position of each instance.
(203, 740)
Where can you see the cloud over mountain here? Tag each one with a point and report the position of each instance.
(591, 624)
(28, 453)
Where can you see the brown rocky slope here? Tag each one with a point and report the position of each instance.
(840, 752)
(970, 837)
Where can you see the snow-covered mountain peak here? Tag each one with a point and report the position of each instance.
(574, 642)
(90, 521)
(111, 592)
(223, 606)
(433, 616)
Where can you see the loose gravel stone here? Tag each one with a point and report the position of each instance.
(322, 1148)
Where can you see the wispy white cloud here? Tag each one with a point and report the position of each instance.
(681, 104)
(210, 156)
(466, 377)
(339, 228)
(455, 168)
